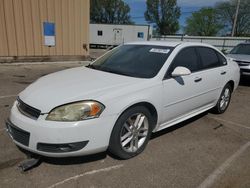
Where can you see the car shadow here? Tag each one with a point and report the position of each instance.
(75, 160)
(66, 160)
(245, 80)
(177, 126)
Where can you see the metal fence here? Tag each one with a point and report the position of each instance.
(223, 43)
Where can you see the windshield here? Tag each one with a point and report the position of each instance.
(142, 61)
(241, 49)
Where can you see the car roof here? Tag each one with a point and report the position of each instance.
(169, 44)
(157, 43)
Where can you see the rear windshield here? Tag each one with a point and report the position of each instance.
(142, 61)
(241, 49)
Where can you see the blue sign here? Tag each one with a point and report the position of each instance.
(49, 29)
(49, 34)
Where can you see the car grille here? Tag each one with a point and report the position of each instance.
(243, 63)
(18, 134)
(245, 70)
(27, 110)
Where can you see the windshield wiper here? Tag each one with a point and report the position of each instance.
(107, 70)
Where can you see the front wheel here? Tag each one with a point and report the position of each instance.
(224, 100)
(131, 133)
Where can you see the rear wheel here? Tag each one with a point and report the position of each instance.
(224, 100)
(131, 133)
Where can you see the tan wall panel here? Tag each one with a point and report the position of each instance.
(51, 18)
(19, 26)
(87, 20)
(37, 29)
(85, 25)
(58, 22)
(65, 26)
(82, 39)
(28, 25)
(78, 49)
(71, 27)
(43, 18)
(3, 35)
(10, 27)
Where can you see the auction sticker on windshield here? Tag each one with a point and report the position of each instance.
(157, 50)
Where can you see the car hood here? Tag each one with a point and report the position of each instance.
(240, 57)
(73, 85)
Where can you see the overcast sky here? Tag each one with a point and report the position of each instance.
(138, 7)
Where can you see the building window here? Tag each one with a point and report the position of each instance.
(99, 33)
(140, 35)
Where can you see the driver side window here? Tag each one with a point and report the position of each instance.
(186, 58)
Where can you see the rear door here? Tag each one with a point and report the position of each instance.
(213, 73)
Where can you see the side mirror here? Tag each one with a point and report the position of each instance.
(180, 71)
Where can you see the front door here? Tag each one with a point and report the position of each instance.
(181, 95)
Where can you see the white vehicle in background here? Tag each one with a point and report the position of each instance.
(103, 35)
(116, 102)
(241, 54)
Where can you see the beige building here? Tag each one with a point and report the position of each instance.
(24, 28)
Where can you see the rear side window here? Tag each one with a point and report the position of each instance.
(209, 58)
(185, 58)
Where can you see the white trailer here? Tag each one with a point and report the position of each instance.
(103, 35)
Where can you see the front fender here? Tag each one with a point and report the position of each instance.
(152, 95)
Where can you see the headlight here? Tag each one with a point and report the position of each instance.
(76, 111)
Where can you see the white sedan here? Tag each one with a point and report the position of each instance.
(116, 102)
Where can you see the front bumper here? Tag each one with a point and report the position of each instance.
(60, 139)
(245, 70)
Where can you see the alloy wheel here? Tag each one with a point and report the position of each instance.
(134, 132)
(225, 98)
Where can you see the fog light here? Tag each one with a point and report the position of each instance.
(61, 148)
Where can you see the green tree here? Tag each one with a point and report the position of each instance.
(109, 11)
(203, 23)
(165, 14)
(226, 12)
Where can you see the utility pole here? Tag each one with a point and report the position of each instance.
(235, 18)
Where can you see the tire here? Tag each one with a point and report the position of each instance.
(224, 100)
(131, 133)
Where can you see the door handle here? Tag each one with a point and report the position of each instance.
(197, 79)
(223, 72)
